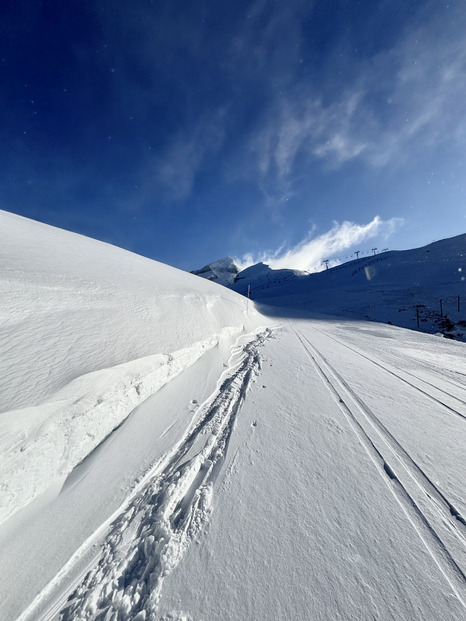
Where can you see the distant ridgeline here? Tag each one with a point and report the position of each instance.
(423, 289)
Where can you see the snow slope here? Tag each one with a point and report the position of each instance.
(335, 492)
(343, 495)
(275, 466)
(88, 332)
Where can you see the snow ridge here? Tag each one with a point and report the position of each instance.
(148, 539)
(81, 416)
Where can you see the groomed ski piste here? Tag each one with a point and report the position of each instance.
(169, 452)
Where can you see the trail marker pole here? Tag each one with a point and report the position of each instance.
(417, 316)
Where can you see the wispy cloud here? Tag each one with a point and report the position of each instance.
(261, 48)
(399, 103)
(423, 92)
(308, 254)
(174, 170)
(302, 124)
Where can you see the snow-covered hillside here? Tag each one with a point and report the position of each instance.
(402, 287)
(261, 277)
(169, 453)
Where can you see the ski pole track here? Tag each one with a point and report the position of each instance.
(397, 375)
(149, 537)
(426, 507)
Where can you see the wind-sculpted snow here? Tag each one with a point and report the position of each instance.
(167, 513)
(49, 440)
(88, 332)
(72, 305)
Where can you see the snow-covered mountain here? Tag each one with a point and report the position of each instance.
(423, 289)
(158, 434)
(222, 271)
(260, 277)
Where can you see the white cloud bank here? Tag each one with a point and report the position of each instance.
(309, 254)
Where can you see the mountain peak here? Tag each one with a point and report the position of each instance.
(223, 271)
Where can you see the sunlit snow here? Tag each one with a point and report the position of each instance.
(170, 452)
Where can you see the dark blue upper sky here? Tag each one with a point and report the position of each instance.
(187, 131)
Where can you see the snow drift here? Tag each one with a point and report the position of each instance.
(88, 331)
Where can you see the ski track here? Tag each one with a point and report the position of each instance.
(437, 522)
(169, 510)
(397, 375)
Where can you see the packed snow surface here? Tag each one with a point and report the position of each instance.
(170, 453)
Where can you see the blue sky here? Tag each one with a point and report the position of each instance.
(279, 131)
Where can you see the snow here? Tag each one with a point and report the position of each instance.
(88, 332)
(260, 277)
(307, 522)
(383, 287)
(168, 452)
(223, 271)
